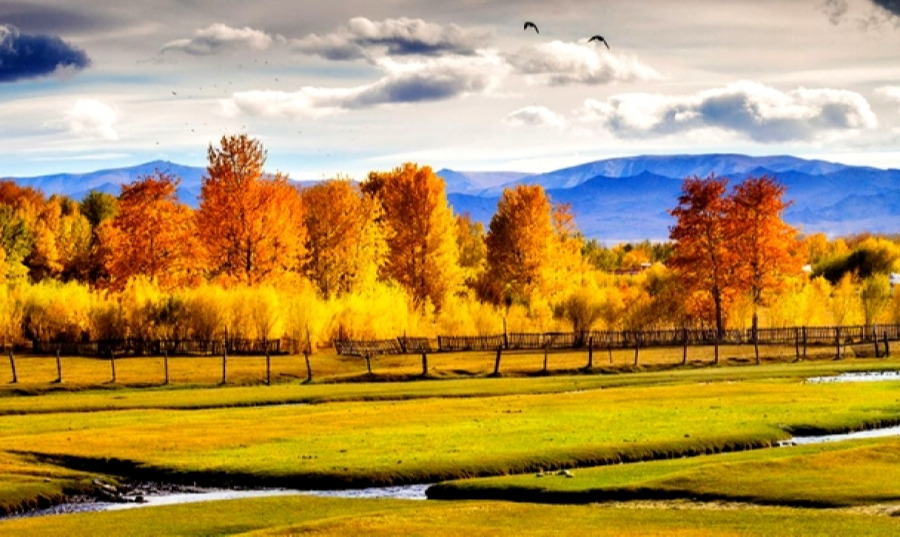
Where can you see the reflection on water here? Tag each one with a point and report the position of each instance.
(407, 492)
(872, 433)
(862, 376)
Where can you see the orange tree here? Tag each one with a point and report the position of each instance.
(152, 234)
(765, 246)
(519, 245)
(344, 244)
(251, 224)
(423, 256)
(702, 256)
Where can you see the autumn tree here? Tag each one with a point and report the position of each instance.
(472, 250)
(250, 223)
(763, 246)
(519, 244)
(702, 256)
(153, 234)
(344, 245)
(423, 256)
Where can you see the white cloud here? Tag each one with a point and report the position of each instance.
(535, 116)
(430, 80)
(218, 38)
(90, 118)
(759, 112)
(891, 93)
(579, 63)
(366, 39)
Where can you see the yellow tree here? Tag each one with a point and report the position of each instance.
(702, 256)
(472, 250)
(519, 245)
(153, 235)
(764, 246)
(344, 245)
(423, 255)
(250, 223)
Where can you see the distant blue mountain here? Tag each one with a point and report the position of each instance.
(77, 185)
(614, 200)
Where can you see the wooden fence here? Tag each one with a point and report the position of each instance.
(627, 339)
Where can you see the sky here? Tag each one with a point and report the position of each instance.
(339, 88)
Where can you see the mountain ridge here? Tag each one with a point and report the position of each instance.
(617, 199)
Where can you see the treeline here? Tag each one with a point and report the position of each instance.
(261, 258)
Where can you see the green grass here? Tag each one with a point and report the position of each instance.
(433, 438)
(839, 474)
(49, 398)
(280, 517)
(355, 434)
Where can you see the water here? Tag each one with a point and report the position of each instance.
(865, 376)
(871, 433)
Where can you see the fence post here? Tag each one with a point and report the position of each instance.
(368, 363)
(875, 340)
(609, 345)
(805, 340)
(166, 364)
(837, 340)
(58, 368)
(797, 343)
(424, 364)
(684, 342)
(268, 368)
(637, 345)
(112, 365)
(497, 361)
(590, 364)
(546, 347)
(15, 377)
(224, 363)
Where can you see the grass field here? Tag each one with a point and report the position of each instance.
(328, 434)
(290, 516)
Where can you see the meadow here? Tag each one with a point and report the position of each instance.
(688, 433)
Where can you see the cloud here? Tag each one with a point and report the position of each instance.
(219, 38)
(759, 112)
(535, 116)
(402, 83)
(366, 39)
(891, 93)
(90, 118)
(24, 56)
(836, 10)
(891, 6)
(579, 63)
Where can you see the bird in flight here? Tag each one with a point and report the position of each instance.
(599, 38)
(529, 24)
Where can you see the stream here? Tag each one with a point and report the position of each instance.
(412, 492)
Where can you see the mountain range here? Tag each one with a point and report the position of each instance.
(614, 200)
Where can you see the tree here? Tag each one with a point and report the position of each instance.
(422, 252)
(702, 256)
(344, 245)
(519, 244)
(251, 224)
(153, 234)
(472, 250)
(764, 246)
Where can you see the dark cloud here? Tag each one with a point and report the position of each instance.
(892, 6)
(31, 17)
(24, 56)
(363, 38)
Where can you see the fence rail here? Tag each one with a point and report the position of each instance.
(622, 339)
(627, 339)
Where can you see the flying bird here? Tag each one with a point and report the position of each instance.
(599, 38)
(529, 24)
